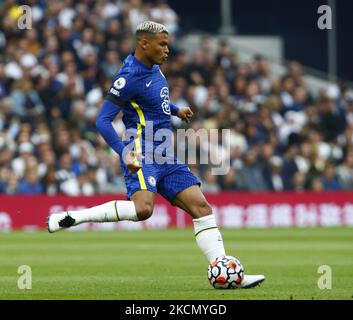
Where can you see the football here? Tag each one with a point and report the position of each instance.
(225, 272)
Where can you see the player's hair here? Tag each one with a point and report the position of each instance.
(150, 27)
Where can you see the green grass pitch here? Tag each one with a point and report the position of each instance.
(166, 264)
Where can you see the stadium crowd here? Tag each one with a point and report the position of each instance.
(54, 77)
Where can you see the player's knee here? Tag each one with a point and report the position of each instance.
(144, 211)
(202, 209)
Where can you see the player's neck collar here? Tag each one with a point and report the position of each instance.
(140, 63)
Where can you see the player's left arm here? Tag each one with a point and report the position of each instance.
(183, 113)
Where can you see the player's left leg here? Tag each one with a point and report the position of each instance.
(182, 188)
(207, 235)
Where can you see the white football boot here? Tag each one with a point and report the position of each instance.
(58, 221)
(250, 281)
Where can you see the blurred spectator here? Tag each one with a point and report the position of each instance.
(137, 12)
(164, 14)
(316, 185)
(289, 167)
(330, 179)
(31, 183)
(19, 164)
(228, 182)
(11, 184)
(272, 174)
(50, 183)
(250, 177)
(345, 171)
(111, 64)
(298, 182)
(332, 118)
(209, 183)
(25, 100)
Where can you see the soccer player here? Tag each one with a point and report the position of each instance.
(141, 92)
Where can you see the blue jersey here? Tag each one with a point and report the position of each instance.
(143, 95)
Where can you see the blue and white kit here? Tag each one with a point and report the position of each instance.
(142, 94)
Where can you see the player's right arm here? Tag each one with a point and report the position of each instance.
(105, 117)
(120, 92)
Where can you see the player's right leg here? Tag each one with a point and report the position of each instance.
(106, 212)
(139, 208)
(141, 188)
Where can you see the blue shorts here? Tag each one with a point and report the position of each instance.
(166, 179)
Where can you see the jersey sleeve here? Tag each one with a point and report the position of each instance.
(104, 126)
(173, 109)
(123, 89)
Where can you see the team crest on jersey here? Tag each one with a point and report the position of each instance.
(152, 181)
(165, 96)
(119, 83)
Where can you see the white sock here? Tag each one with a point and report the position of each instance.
(106, 212)
(208, 237)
